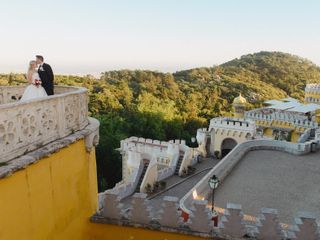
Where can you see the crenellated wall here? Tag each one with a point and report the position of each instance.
(223, 129)
(162, 157)
(232, 223)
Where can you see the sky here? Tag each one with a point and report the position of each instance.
(92, 36)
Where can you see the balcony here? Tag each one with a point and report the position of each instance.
(26, 126)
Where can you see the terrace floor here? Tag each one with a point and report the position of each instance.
(273, 179)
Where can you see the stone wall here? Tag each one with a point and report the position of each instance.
(231, 222)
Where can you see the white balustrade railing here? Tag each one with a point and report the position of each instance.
(28, 125)
(296, 120)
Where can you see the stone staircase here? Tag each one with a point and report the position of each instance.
(181, 154)
(145, 167)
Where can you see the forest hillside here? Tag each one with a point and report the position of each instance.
(168, 106)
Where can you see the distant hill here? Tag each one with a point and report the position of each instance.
(168, 106)
(259, 76)
(285, 71)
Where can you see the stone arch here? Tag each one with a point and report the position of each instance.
(227, 145)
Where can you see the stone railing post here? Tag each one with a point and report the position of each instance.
(231, 223)
(268, 225)
(168, 215)
(112, 206)
(307, 228)
(140, 211)
(200, 219)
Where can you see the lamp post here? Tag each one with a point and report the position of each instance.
(213, 184)
(193, 140)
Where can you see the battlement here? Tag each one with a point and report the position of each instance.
(232, 123)
(233, 223)
(26, 126)
(147, 145)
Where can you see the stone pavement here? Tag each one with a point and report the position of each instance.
(273, 179)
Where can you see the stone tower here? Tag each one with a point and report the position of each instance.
(239, 105)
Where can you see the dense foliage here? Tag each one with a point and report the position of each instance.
(168, 106)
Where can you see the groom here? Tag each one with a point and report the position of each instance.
(46, 75)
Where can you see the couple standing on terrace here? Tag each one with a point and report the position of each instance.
(40, 77)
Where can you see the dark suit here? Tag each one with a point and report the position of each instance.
(47, 78)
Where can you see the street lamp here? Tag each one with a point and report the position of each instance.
(193, 140)
(213, 183)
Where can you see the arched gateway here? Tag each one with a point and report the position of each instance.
(227, 145)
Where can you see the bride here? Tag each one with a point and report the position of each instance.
(34, 90)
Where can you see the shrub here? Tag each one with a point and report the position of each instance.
(148, 188)
(217, 154)
(163, 185)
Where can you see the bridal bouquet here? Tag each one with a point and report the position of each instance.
(37, 82)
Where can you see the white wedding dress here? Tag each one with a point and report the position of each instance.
(32, 91)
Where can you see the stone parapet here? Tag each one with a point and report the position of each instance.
(232, 123)
(90, 134)
(200, 223)
(26, 126)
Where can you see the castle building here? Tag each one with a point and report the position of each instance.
(286, 119)
(224, 134)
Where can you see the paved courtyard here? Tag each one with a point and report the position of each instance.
(276, 180)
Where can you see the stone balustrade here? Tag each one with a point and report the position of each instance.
(26, 126)
(231, 222)
(297, 120)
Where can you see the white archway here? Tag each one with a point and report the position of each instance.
(227, 145)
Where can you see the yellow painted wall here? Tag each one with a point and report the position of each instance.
(54, 198)
(218, 139)
(295, 137)
(313, 95)
(318, 116)
(268, 132)
(51, 199)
